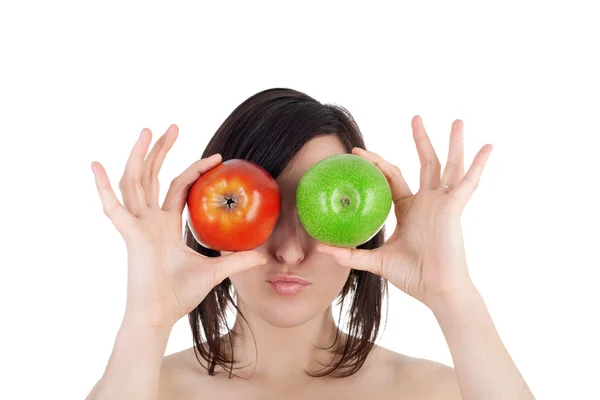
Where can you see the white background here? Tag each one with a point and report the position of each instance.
(78, 82)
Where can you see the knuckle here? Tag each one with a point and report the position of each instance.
(108, 211)
(379, 266)
(454, 197)
(215, 277)
(352, 254)
(149, 171)
(152, 176)
(125, 183)
(429, 160)
(146, 178)
(175, 183)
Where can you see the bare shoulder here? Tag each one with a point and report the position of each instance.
(386, 373)
(417, 377)
(179, 372)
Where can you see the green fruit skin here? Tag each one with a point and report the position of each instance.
(343, 200)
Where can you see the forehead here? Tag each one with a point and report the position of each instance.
(312, 152)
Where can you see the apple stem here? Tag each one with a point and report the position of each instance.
(345, 201)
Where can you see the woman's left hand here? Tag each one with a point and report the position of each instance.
(425, 256)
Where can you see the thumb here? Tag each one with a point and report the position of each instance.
(361, 259)
(231, 264)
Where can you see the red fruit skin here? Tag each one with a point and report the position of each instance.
(251, 219)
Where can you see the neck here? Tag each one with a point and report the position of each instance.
(268, 351)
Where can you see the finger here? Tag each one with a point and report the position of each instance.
(455, 168)
(398, 185)
(226, 266)
(361, 259)
(113, 209)
(177, 194)
(130, 184)
(467, 185)
(153, 164)
(430, 164)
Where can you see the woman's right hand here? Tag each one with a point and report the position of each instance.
(166, 279)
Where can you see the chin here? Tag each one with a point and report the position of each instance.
(284, 314)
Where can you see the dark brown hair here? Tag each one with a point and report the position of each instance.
(269, 128)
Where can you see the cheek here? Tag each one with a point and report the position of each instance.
(334, 279)
(247, 281)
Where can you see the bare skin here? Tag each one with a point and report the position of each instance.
(385, 375)
(284, 327)
(424, 257)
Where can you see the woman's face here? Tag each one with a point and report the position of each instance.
(290, 252)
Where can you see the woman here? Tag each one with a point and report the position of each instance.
(289, 346)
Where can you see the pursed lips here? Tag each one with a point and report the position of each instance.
(287, 284)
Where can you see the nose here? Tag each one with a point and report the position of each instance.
(290, 240)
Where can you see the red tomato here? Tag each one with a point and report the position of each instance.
(233, 206)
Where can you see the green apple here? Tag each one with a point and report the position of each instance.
(343, 200)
